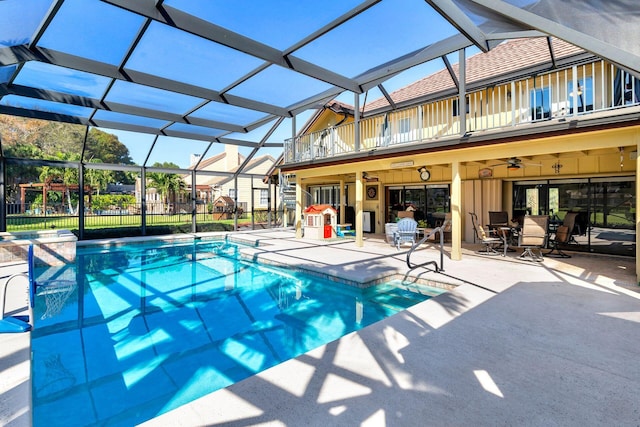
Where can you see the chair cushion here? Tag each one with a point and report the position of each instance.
(562, 233)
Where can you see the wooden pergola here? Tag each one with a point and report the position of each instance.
(45, 188)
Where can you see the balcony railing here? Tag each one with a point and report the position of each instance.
(581, 89)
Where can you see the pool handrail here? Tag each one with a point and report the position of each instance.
(440, 231)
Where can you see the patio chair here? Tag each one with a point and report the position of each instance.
(490, 244)
(563, 235)
(533, 235)
(406, 232)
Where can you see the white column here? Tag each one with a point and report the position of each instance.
(456, 212)
(359, 207)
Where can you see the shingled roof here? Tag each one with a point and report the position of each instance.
(505, 59)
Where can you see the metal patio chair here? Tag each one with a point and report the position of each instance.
(533, 235)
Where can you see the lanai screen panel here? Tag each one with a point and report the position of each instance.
(212, 71)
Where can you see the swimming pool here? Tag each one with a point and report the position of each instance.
(148, 328)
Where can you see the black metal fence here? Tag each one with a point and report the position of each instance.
(57, 216)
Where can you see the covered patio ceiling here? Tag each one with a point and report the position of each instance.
(234, 72)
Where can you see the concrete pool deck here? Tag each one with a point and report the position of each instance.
(515, 343)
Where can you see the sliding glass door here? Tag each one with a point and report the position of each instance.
(605, 207)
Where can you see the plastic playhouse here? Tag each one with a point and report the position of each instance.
(320, 222)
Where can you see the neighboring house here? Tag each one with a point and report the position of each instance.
(543, 128)
(210, 187)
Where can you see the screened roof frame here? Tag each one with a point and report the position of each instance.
(495, 21)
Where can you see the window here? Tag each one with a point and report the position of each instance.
(540, 104)
(264, 197)
(232, 193)
(584, 95)
(405, 125)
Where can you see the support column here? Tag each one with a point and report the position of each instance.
(253, 215)
(269, 202)
(80, 201)
(194, 205)
(341, 204)
(3, 195)
(456, 212)
(235, 203)
(637, 206)
(462, 92)
(356, 122)
(298, 220)
(359, 208)
(143, 200)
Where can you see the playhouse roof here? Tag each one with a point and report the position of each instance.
(319, 209)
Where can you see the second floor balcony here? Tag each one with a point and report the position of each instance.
(558, 95)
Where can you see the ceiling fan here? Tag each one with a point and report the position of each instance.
(514, 163)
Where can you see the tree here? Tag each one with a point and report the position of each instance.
(97, 178)
(167, 184)
(107, 147)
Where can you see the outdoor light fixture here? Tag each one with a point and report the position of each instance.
(556, 167)
(425, 175)
(369, 178)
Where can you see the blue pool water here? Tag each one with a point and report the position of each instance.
(149, 328)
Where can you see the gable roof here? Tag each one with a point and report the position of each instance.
(211, 160)
(221, 180)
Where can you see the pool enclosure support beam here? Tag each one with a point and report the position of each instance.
(356, 123)
(462, 89)
(143, 200)
(269, 203)
(81, 170)
(235, 203)
(253, 217)
(81, 201)
(456, 212)
(3, 195)
(194, 205)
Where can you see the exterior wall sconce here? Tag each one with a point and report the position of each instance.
(556, 167)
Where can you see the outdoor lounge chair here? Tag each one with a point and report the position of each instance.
(406, 232)
(563, 235)
(490, 244)
(533, 235)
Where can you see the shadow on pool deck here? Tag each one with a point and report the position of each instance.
(516, 343)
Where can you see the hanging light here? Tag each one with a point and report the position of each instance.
(621, 157)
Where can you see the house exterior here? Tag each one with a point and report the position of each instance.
(250, 191)
(548, 128)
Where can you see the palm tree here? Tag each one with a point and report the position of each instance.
(99, 178)
(167, 184)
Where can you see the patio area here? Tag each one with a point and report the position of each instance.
(514, 342)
